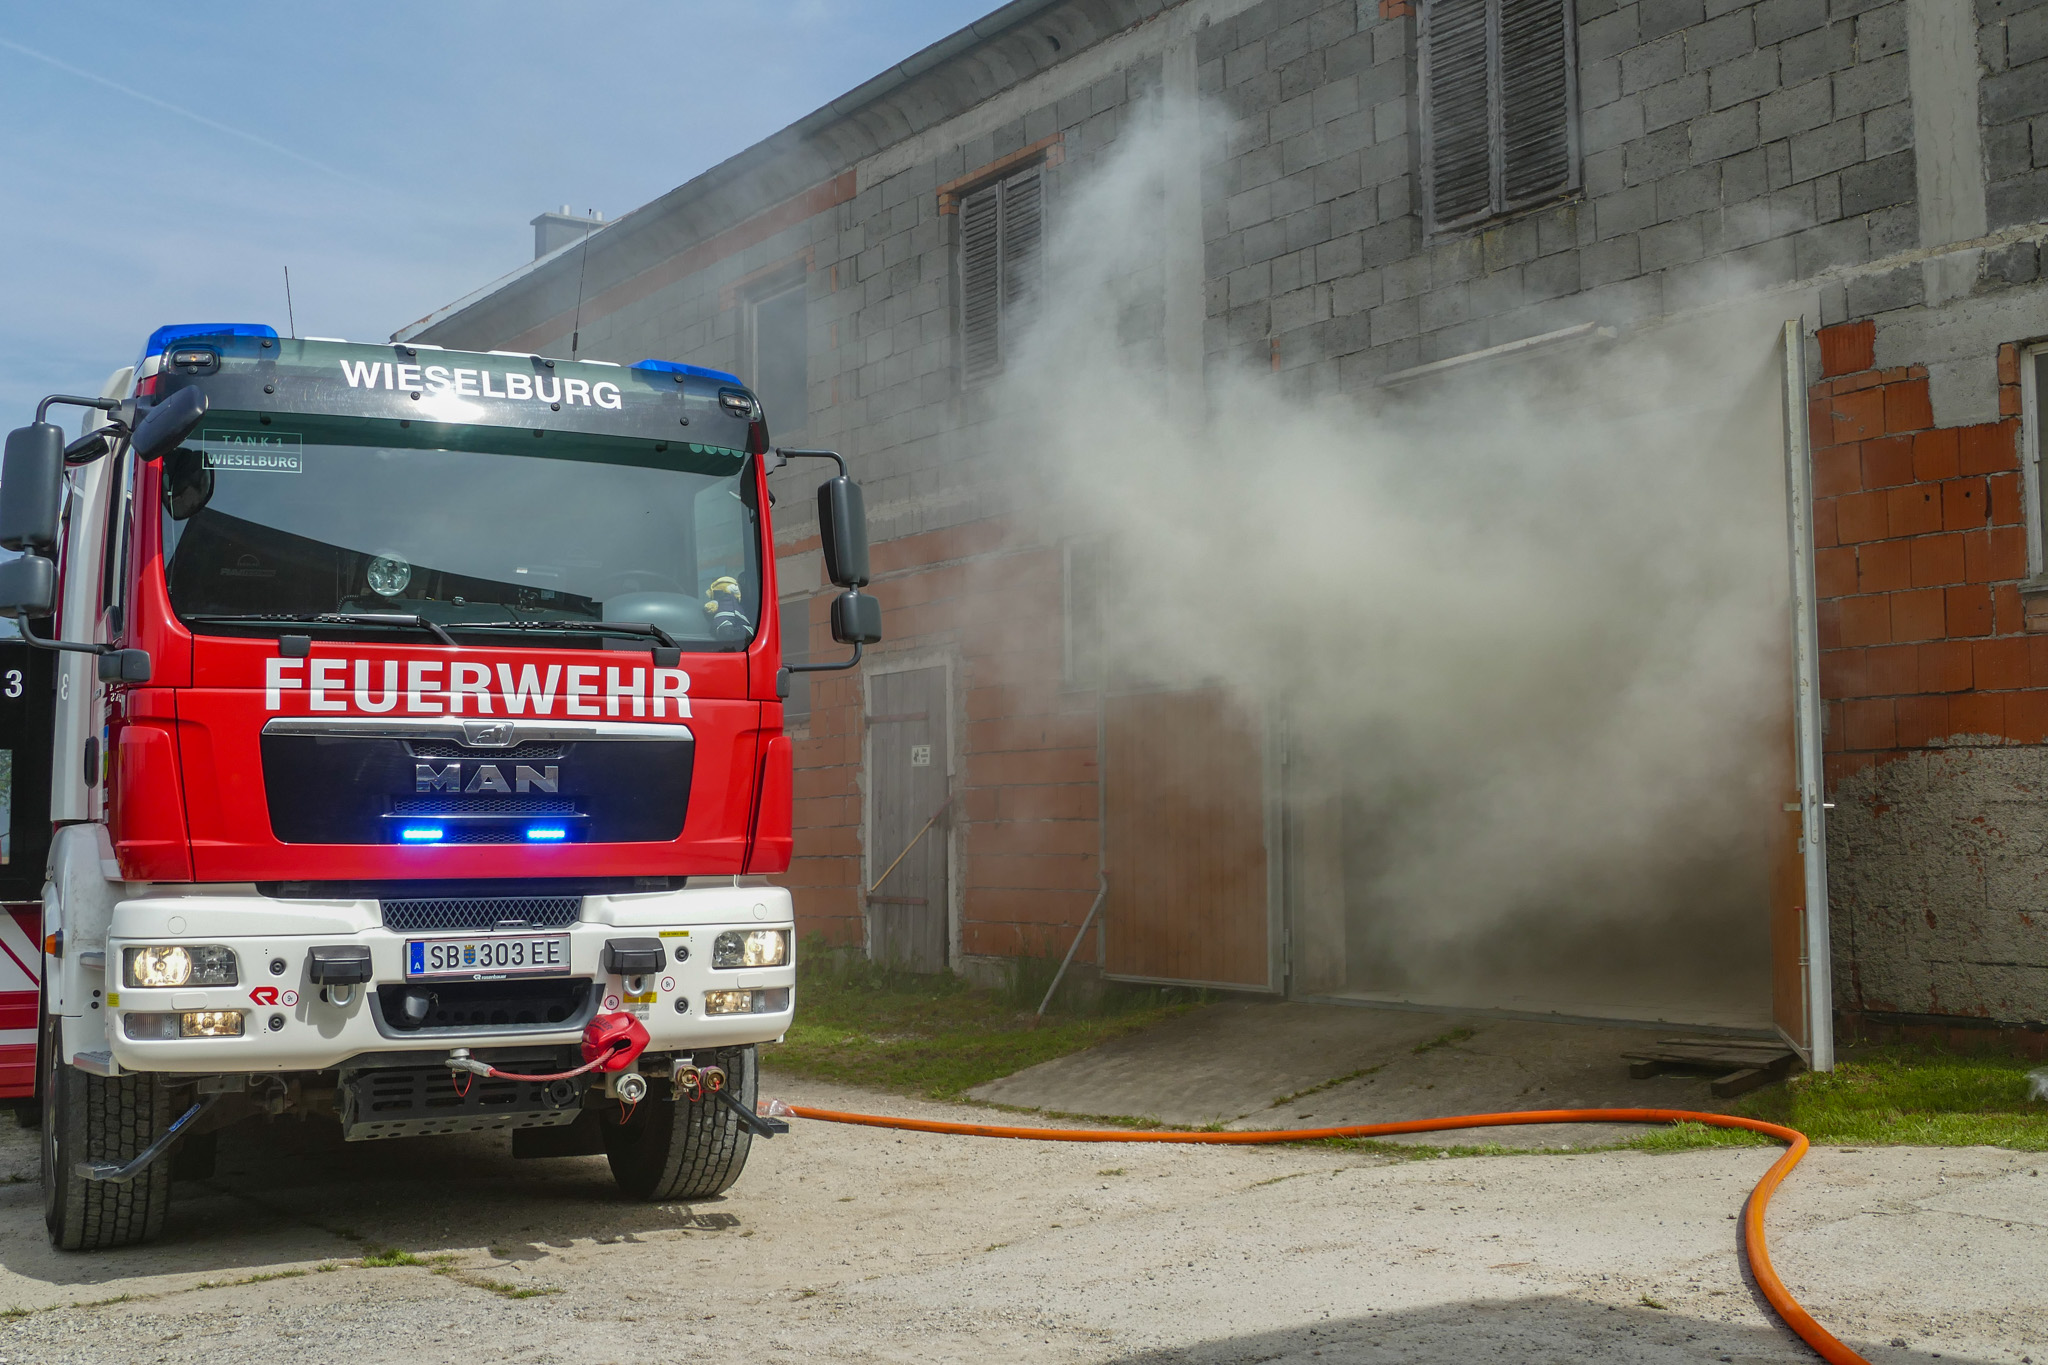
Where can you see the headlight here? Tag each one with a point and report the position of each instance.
(751, 948)
(206, 964)
(771, 1000)
(189, 1024)
(210, 1024)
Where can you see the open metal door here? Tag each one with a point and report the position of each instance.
(1802, 990)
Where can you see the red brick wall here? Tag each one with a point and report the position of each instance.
(1922, 544)
(989, 599)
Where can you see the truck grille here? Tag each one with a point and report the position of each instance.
(417, 1101)
(483, 805)
(518, 753)
(484, 913)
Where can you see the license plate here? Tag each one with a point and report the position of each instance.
(522, 955)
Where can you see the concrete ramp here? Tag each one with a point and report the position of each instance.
(1287, 1065)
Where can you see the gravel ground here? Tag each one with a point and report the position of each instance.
(850, 1244)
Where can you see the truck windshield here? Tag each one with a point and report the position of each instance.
(273, 523)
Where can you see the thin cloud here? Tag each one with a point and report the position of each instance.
(183, 112)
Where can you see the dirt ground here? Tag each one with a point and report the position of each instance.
(850, 1244)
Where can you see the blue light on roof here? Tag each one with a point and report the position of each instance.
(420, 834)
(546, 834)
(163, 338)
(678, 367)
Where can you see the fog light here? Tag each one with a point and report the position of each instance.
(751, 948)
(205, 964)
(766, 1000)
(210, 1024)
(150, 1026)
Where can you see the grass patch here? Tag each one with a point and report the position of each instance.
(250, 1279)
(388, 1256)
(1889, 1096)
(938, 1037)
(1456, 1035)
(1895, 1095)
(1345, 1079)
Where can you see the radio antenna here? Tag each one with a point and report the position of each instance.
(291, 319)
(582, 260)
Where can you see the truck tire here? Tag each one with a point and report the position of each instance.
(98, 1118)
(683, 1149)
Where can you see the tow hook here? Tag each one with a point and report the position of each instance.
(760, 1125)
(121, 1174)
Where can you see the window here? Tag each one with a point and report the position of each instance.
(1002, 236)
(796, 649)
(1499, 90)
(779, 331)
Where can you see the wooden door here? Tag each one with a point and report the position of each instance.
(908, 763)
(1185, 841)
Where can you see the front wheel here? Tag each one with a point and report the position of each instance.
(686, 1149)
(98, 1118)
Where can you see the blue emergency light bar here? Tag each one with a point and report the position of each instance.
(420, 834)
(546, 834)
(163, 338)
(678, 367)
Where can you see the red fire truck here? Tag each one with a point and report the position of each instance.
(395, 734)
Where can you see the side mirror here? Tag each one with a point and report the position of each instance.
(124, 666)
(29, 584)
(856, 618)
(164, 427)
(843, 527)
(32, 487)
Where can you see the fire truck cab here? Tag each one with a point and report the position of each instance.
(395, 734)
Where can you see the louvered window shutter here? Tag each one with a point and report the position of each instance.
(1457, 112)
(1499, 126)
(1002, 266)
(981, 261)
(1539, 136)
(1023, 253)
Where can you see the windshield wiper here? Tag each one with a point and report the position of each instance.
(640, 628)
(336, 618)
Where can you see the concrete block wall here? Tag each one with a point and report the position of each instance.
(1935, 679)
(1725, 146)
(2012, 48)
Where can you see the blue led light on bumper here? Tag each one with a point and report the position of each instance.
(420, 834)
(546, 834)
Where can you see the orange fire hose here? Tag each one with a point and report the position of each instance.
(1759, 1257)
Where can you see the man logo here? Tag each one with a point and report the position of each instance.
(486, 778)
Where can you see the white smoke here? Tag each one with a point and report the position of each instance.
(1527, 629)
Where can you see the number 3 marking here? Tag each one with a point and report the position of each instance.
(13, 682)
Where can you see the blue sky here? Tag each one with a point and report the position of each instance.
(391, 154)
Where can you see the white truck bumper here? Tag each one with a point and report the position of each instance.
(290, 1024)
